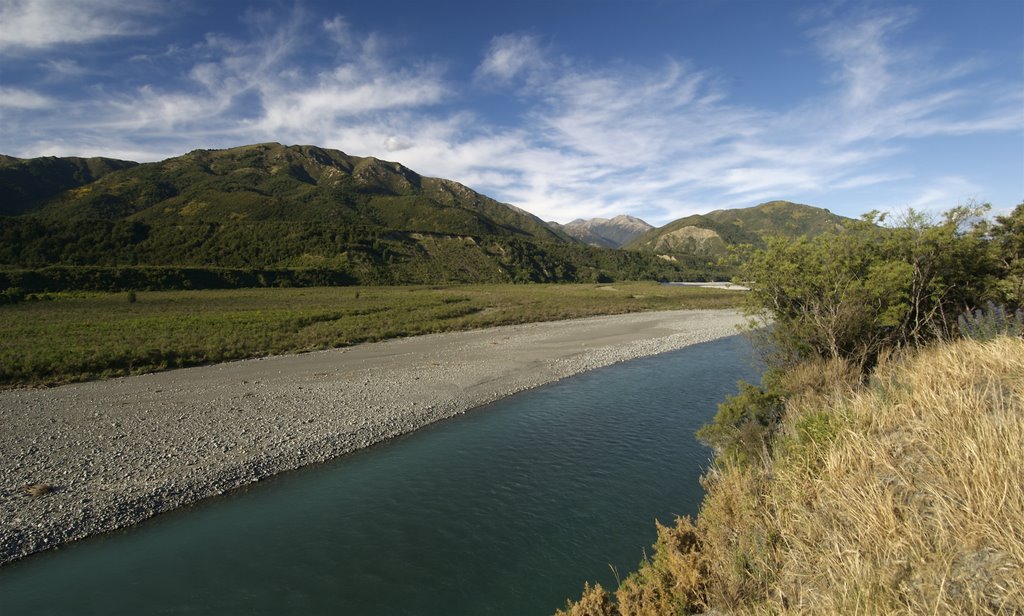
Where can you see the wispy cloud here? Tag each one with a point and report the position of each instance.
(345, 92)
(18, 98)
(44, 23)
(511, 56)
(862, 55)
(250, 89)
(658, 141)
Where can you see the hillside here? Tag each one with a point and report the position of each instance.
(858, 508)
(272, 182)
(277, 209)
(709, 235)
(27, 183)
(606, 232)
(874, 470)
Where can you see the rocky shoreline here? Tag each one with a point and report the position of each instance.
(107, 454)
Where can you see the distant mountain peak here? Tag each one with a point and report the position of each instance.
(607, 232)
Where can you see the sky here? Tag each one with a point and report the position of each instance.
(566, 108)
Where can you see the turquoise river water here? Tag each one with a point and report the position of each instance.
(505, 510)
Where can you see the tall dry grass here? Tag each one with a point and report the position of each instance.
(904, 495)
(917, 504)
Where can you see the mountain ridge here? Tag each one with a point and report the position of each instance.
(606, 232)
(265, 181)
(273, 208)
(710, 235)
(27, 182)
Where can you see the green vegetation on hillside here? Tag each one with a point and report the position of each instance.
(902, 495)
(867, 289)
(711, 235)
(274, 207)
(780, 219)
(876, 469)
(27, 183)
(54, 338)
(59, 256)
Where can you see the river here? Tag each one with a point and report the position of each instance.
(505, 510)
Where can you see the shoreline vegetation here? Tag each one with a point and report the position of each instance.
(55, 338)
(877, 468)
(899, 495)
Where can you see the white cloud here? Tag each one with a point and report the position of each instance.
(657, 141)
(156, 111)
(36, 24)
(18, 98)
(63, 68)
(256, 89)
(340, 32)
(343, 93)
(864, 59)
(666, 142)
(394, 144)
(943, 193)
(510, 56)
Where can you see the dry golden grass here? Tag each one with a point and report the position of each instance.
(901, 496)
(672, 582)
(595, 601)
(917, 504)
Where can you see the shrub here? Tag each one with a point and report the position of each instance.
(13, 295)
(869, 288)
(741, 430)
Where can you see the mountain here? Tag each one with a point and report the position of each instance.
(272, 182)
(268, 211)
(781, 218)
(26, 183)
(710, 235)
(608, 233)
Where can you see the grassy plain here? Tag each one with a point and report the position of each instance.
(61, 338)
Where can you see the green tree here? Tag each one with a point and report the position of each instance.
(869, 287)
(1008, 239)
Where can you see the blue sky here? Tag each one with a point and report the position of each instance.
(566, 108)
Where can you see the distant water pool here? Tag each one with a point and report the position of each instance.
(506, 510)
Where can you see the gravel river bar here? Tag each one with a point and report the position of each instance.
(107, 454)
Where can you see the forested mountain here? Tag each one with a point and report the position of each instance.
(276, 207)
(288, 210)
(271, 182)
(711, 234)
(607, 232)
(27, 183)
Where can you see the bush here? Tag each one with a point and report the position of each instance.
(1008, 237)
(853, 294)
(741, 430)
(13, 295)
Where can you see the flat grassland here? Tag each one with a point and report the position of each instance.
(66, 337)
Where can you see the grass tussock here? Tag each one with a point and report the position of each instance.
(902, 495)
(917, 506)
(37, 489)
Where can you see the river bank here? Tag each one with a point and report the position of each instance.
(116, 452)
